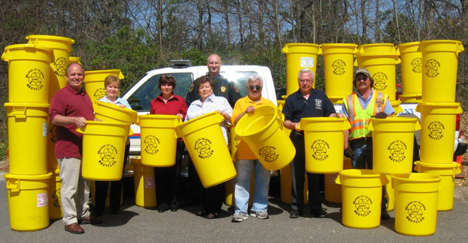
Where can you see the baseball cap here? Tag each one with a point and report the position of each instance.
(363, 71)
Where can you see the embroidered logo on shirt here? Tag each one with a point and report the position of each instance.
(223, 89)
(318, 104)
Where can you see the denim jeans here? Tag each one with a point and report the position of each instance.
(262, 184)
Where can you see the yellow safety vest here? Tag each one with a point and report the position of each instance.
(359, 117)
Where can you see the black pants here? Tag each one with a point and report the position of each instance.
(298, 173)
(167, 180)
(115, 191)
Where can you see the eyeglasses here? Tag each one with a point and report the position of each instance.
(252, 87)
(305, 81)
(361, 78)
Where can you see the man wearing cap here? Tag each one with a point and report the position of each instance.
(359, 107)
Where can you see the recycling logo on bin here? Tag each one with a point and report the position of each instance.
(35, 77)
(268, 153)
(56, 198)
(380, 81)
(436, 130)
(61, 66)
(397, 151)
(203, 147)
(99, 93)
(339, 67)
(417, 65)
(320, 149)
(432, 68)
(362, 204)
(415, 210)
(107, 153)
(151, 144)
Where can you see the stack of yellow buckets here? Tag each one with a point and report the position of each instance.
(36, 71)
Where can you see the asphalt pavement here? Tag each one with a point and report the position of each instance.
(136, 224)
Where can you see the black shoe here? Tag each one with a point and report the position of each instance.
(163, 207)
(295, 214)
(384, 215)
(174, 206)
(115, 212)
(319, 213)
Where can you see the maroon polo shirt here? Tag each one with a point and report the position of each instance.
(175, 105)
(69, 102)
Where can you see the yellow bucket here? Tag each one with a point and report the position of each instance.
(110, 112)
(263, 132)
(299, 56)
(390, 194)
(286, 185)
(378, 48)
(145, 186)
(392, 142)
(396, 106)
(338, 67)
(447, 173)
(158, 139)
(103, 150)
(27, 129)
(438, 122)
(439, 70)
(333, 190)
(62, 46)
(416, 203)
(55, 203)
(207, 148)
(362, 197)
(28, 73)
(94, 82)
(28, 201)
(411, 68)
(324, 143)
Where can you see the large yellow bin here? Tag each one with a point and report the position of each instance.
(55, 203)
(333, 190)
(324, 143)
(145, 186)
(378, 48)
(28, 73)
(362, 197)
(382, 67)
(438, 122)
(299, 56)
(411, 69)
(439, 70)
(205, 143)
(62, 46)
(263, 132)
(338, 67)
(94, 82)
(158, 139)
(27, 134)
(28, 201)
(103, 150)
(416, 203)
(110, 112)
(392, 142)
(447, 173)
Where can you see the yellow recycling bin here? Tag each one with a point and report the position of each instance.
(362, 197)
(110, 112)
(145, 186)
(27, 201)
(377, 48)
(299, 56)
(439, 70)
(416, 203)
(158, 139)
(205, 143)
(438, 122)
(338, 67)
(94, 82)
(411, 70)
(392, 142)
(447, 173)
(263, 131)
(333, 190)
(324, 143)
(382, 67)
(27, 134)
(103, 150)
(61, 46)
(55, 203)
(28, 73)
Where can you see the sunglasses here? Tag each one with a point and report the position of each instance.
(252, 87)
(361, 78)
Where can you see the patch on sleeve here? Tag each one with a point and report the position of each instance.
(379, 102)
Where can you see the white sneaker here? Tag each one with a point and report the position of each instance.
(239, 217)
(260, 215)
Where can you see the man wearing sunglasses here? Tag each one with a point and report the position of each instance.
(306, 102)
(221, 86)
(359, 107)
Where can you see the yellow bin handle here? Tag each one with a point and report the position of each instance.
(13, 185)
(19, 112)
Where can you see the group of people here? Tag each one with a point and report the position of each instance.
(71, 107)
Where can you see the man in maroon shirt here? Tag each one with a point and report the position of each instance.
(70, 107)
